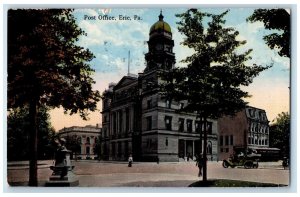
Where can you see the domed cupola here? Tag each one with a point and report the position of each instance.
(160, 27)
(160, 44)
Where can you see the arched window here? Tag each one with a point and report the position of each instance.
(209, 148)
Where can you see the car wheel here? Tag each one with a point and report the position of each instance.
(225, 164)
(248, 165)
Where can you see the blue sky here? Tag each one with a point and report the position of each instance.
(110, 42)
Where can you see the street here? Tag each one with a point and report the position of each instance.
(168, 174)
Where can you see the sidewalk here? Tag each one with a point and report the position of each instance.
(93, 173)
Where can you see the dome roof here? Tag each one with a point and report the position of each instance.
(160, 25)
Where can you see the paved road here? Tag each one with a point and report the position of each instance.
(177, 174)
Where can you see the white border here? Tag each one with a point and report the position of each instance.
(153, 3)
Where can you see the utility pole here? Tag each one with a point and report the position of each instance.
(128, 62)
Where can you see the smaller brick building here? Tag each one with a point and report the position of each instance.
(249, 129)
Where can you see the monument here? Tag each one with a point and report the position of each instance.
(62, 175)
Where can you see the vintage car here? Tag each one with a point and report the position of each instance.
(248, 160)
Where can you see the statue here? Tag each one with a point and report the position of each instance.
(62, 170)
(61, 166)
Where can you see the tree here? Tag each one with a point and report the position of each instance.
(275, 19)
(73, 143)
(97, 148)
(215, 72)
(280, 133)
(46, 67)
(18, 135)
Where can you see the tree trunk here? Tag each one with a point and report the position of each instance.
(204, 151)
(33, 109)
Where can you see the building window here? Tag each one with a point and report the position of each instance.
(120, 121)
(221, 150)
(168, 104)
(226, 140)
(149, 104)
(227, 150)
(168, 122)
(87, 150)
(209, 128)
(149, 123)
(127, 120)
(266, 141)
(197, 126)
(231, 139)
(249, 140)
(114, 123)
(221, 141)
(113, 148)
(209, 148)
(149, 143)
(167, 142)
(87, 140)
(189, 125)
(180, 124)
(119, 149)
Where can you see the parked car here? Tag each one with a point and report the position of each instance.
(249, 160)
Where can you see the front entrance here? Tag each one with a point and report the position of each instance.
(188, 149)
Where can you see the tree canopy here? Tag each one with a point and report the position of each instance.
(211, 82)
(275, 19)
(280, 133)
(18, 135)
(45, 62)
(47, 67)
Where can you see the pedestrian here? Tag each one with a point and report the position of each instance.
(130, 160)
(199, 163)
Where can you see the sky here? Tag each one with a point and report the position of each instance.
(111, 40)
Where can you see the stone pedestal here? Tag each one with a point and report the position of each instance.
(62, 175)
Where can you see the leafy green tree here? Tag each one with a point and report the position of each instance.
(280, 133)
(18, 135)
(275, 19)
(97, 148)
(46, 67)
(211, 82)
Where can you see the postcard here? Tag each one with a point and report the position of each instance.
(190, 96)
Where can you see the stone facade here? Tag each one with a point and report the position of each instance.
(86, 136)
(137, 120)
(249, 128)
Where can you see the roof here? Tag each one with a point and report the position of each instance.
(160, 25)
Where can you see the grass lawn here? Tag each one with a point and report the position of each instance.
(232, 183)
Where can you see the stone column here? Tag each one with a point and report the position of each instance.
(184, 150)
(193, 153)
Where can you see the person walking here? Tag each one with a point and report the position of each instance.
(130, 160)
(199, 163)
